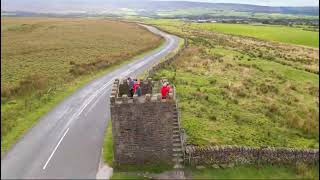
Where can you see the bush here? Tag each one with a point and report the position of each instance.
(212, 81)
(306, 171)
(5, 91)
(33, 82)
(267, 87)
(212, 117)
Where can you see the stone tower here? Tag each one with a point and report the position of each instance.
(145, 129)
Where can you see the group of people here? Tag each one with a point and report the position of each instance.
(135, 88)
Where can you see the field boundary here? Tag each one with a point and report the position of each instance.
(227, 155)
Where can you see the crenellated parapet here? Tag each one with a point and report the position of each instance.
(120, 92)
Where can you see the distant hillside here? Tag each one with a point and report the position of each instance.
(171, 5)
(142, 6)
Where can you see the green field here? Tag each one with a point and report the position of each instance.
(45, 59)
(282, 34)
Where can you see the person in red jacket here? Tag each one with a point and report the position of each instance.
(165, 90)
(137, 88)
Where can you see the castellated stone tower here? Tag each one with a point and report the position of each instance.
(145, 129)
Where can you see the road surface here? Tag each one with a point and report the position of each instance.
(66, 142)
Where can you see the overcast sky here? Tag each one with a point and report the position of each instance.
(266, 2)
(46, 5)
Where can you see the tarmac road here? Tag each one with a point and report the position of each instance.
(66, 143)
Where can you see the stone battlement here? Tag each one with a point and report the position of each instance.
(120, 93)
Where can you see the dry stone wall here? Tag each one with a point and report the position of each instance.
(221, 155)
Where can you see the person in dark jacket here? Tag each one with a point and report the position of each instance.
(131, 84)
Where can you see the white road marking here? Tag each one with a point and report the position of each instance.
(63, 113)
(88, 101)
(93, 105)
(44, 167)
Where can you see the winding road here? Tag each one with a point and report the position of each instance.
(66, 143)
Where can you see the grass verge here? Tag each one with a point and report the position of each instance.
(253, 172)
(108, 145)
(119, 175)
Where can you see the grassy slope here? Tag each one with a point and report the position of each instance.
(20, 112)
(283, 34)
(220, 107)
(228, 97)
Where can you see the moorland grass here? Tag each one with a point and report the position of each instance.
(58, 49)
(39, 105)
(43, 60)
(235, 102)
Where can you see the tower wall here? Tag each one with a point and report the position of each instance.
(141, 126)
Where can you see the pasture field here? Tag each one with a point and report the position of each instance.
(243, 91)
(45, 59)
(277, 33)
(291, 35)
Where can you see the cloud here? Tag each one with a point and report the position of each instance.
(103, 5)
(265, 2)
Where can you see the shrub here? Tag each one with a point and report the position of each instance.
(212, 117)
(5, 91)
(267, 87)
(313, 90)
(307, 171)
(32, 82)
(212, 81)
